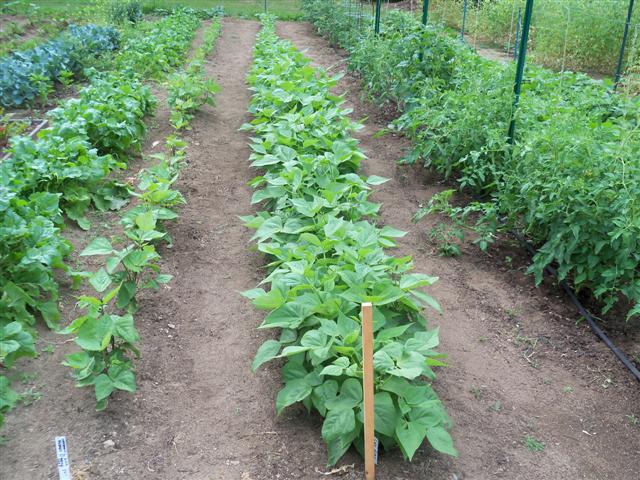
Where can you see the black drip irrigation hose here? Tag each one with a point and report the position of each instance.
(583, 311)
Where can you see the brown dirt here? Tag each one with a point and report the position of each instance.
(201, 414)
(508, 342)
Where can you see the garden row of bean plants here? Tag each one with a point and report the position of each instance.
(61, 174)
(571, 182)
(326, 257)
(106, 333)
(29, 75)
(189, 89)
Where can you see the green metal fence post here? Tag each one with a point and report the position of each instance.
(528, 11)
(265, 6)
(464, 19)
(624, 44)
(518, 26)
(377, 24)
(425, 12)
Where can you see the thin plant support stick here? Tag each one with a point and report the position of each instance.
(624, 44)
(522, 56)
(518, 27)
(367, 386)
(425, 12)
(464, 19)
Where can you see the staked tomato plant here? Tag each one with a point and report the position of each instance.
(571, 181)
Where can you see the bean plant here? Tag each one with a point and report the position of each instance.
(327, 257)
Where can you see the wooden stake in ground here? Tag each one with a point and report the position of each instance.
(367, 386)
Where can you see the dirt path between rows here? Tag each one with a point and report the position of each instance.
(519, 365)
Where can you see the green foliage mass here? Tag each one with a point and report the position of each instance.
(326, 259)
(62, 173)
(571, 182)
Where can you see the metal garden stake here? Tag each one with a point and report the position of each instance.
(528, 11)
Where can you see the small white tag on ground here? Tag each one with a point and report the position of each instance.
(64, 472)
(375, 450)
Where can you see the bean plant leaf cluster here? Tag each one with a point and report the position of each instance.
(189, 89)
(61, 174)
(326, 257)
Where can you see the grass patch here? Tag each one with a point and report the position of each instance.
(281, 8)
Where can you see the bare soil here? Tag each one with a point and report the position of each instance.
(519, 365)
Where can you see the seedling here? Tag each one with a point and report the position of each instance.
(533, 444)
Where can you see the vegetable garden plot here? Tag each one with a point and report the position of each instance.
(61, 174)
(29, 75)
(326, 259)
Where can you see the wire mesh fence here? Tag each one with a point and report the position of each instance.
(565, 35)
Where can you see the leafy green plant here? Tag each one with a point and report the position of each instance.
(62, 173)
(533, 444)
(10, 127)
(159, 49)
(9, 398)
(106, 332)
(29, 74)
(571, 34)
(326, 258)
(189, 89)
(125, 11)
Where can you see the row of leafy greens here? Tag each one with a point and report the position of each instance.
(25, 74)
(106, 331)
(326, 258)
(62, 173)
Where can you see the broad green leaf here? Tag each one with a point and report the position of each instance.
(440, 439)
(338, 422)
(350, 395)
(146, 221)
(290, 315)
(99, 246)
(376, 180)
(125, 328)
(386, 415)
(333, 370)
(100, 280)
(103, 386)
(409, 436)
(267, 351)
(293, 391)
(270, 300)
(410, 281)
(122, 377)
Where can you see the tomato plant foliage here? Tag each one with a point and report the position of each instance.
(326, 258)
(571, 182)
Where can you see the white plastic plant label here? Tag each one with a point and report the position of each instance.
(64, 472)
(375, 450)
